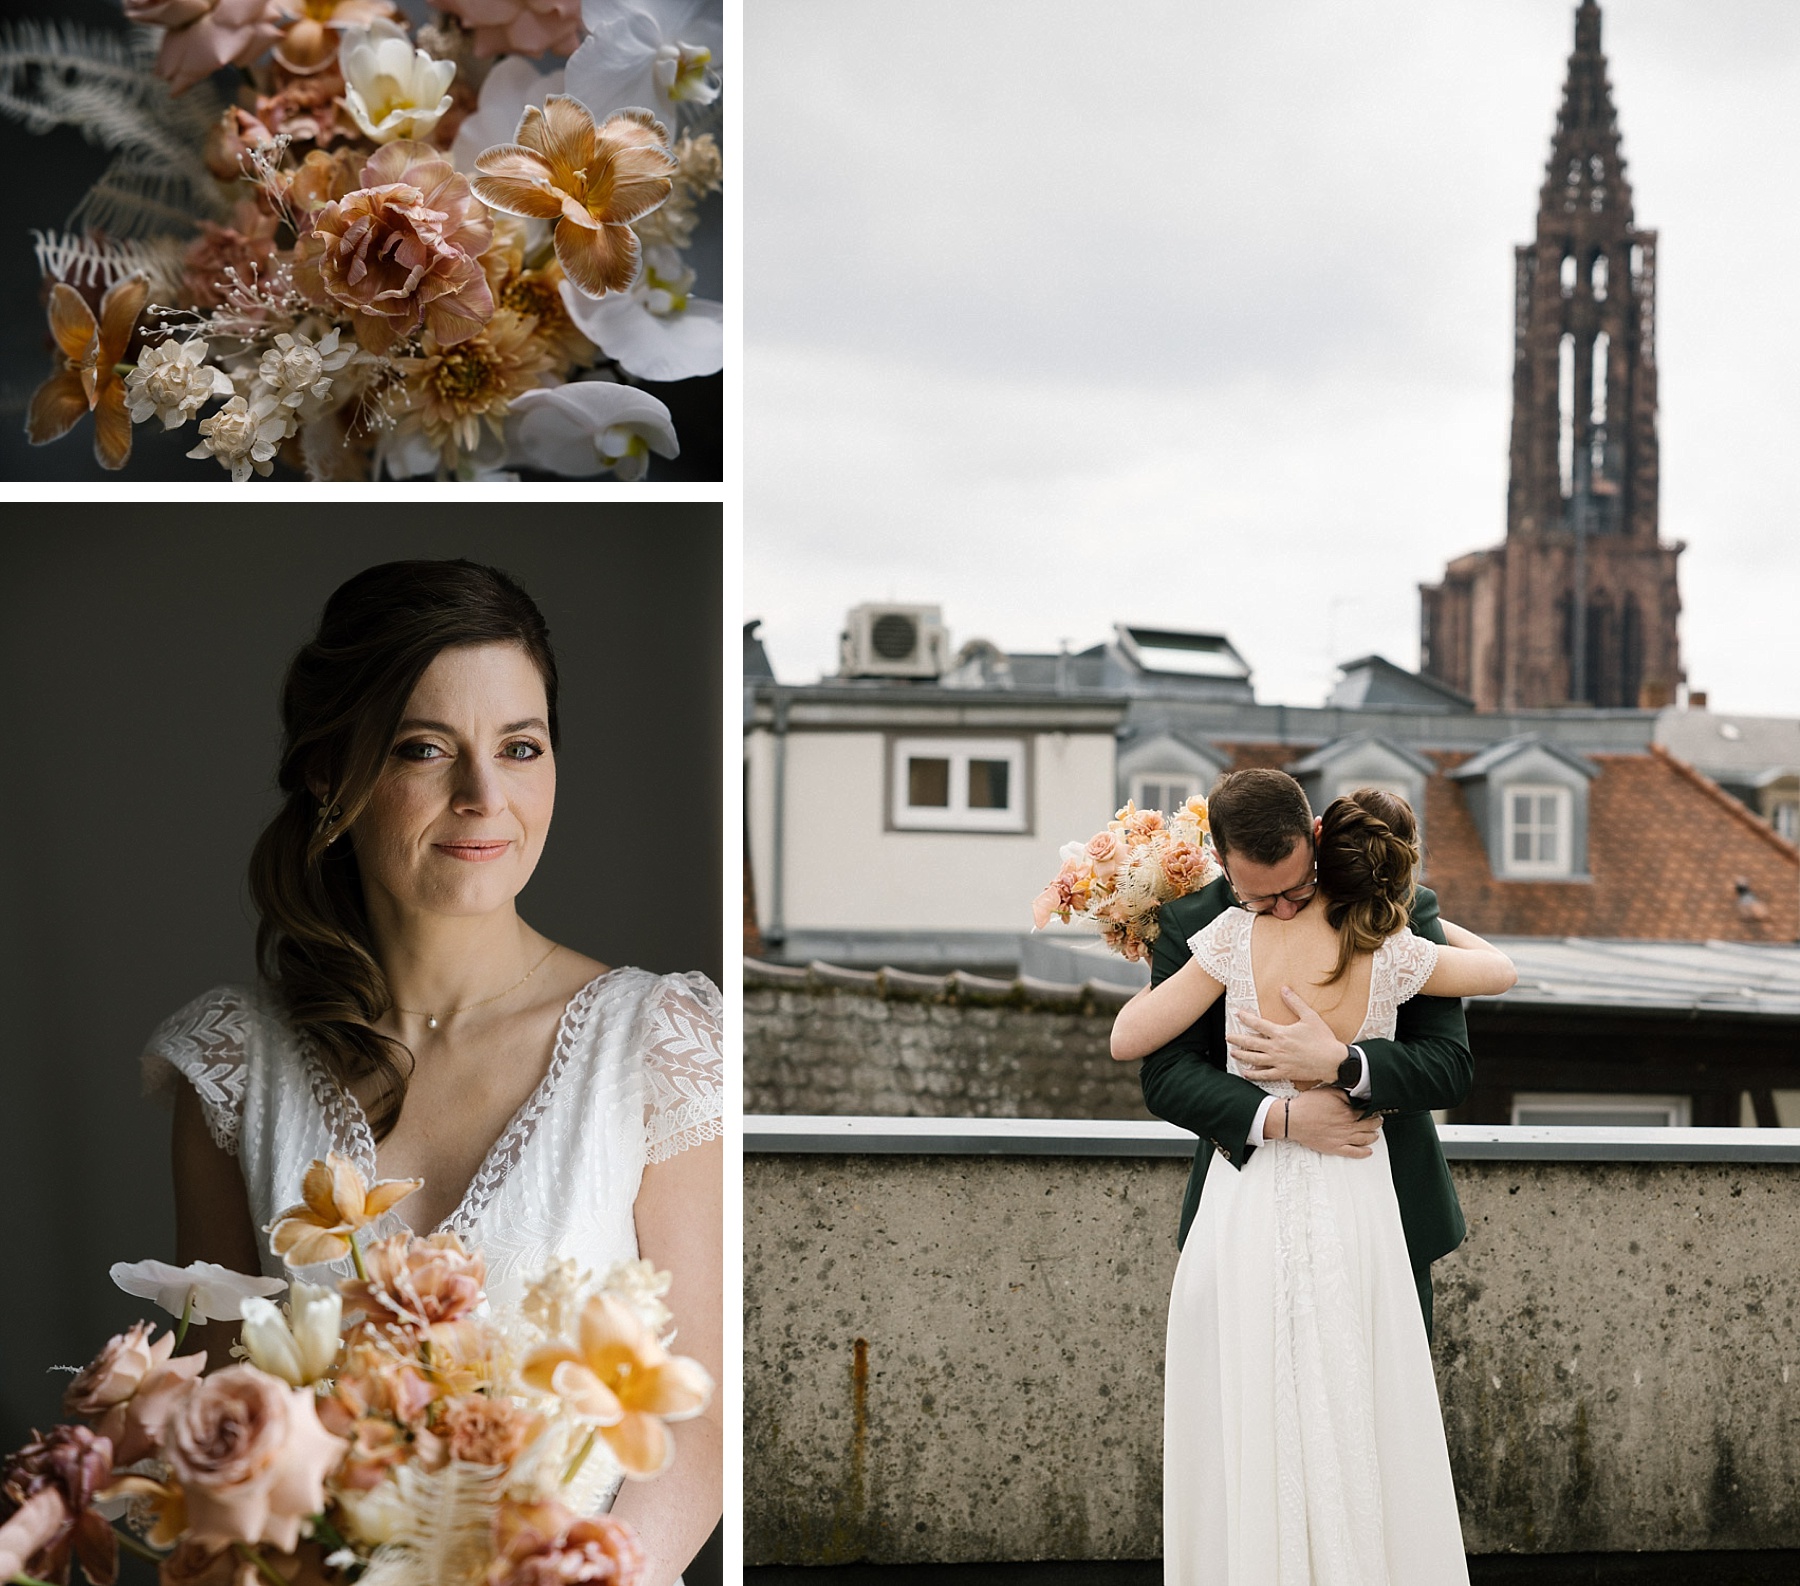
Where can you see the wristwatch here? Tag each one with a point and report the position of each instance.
(1350, 1071)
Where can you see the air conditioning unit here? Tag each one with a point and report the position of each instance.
(894, 641)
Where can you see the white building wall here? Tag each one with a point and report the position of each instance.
(845, 872)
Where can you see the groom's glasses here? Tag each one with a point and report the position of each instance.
(1262, 902)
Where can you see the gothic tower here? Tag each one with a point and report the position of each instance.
(1579, 606)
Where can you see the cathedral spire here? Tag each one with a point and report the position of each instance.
(1579, 606)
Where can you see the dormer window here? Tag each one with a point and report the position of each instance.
(1163, 790)
(1538, 822)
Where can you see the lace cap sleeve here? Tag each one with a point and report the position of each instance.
(1413, 958)
(683, 1066)
(207, 1044)
(1214, 945)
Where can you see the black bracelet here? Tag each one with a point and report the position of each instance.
(1286, 1104)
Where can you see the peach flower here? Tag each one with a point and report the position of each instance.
(619, 1375)
(593, 182)
(418, 1282)
(203, 35)
(543, 1544)
(251, 1458)
(309, 37)
(519, 27)
(1185, 867)
(484, 1431)
(89, 380)
(336, 1202)
(400, 253)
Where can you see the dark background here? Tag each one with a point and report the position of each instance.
(140, 670)
(47, 175)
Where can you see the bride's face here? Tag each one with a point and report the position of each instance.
(461, 809)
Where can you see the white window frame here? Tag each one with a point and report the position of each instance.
(1563, 863)
(1784, 816)
(1192, 779)
(1678, 1110)
(957, 816)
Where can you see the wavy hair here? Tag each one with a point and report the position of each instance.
(1368, 863)
(343, 700)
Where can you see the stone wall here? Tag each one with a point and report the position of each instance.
(889, 1044)
(959, 1358)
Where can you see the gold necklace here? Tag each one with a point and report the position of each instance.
(431, 1019)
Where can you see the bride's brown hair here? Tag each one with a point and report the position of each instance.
(1368, 859)
(341, 705)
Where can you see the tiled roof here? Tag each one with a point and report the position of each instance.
(1666, 850)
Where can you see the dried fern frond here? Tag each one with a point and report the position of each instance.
(446, 1534)
(59, 74)
(102, 261)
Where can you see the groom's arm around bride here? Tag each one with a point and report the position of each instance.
(1427, 1065)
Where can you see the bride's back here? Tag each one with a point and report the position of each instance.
(1302, 953)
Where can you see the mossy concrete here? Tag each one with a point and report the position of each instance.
(959, 1358)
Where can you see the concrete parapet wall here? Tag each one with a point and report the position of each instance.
(959, 1358)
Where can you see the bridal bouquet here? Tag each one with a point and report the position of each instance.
(401, 250)
(388, 1431)
(1120, 877)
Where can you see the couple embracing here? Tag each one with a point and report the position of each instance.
(1302, 1021)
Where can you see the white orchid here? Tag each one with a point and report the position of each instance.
(657, 330)
(201, 1290)
(302, 1346)
(172, 382)
(661, 54)
(590, 427)
(513, 84)
(391, 89)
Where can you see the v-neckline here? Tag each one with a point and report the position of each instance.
(357, 1140)
(1256, 996)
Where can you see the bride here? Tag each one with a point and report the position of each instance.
(1303, 1444)
(411, 1021)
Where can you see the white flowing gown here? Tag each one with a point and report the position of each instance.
(1303, 1443)
(634, 1079)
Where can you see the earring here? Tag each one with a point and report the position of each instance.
(329, 815)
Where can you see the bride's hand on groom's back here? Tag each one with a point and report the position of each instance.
(1324, 1120)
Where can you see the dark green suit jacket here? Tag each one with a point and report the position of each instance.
(1427, 1065)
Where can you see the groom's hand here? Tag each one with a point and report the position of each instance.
(1324, 1120)
(1304, 1052)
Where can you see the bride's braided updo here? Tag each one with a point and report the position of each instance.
(1368, 858)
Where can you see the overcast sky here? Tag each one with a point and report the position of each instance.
(1200, 315)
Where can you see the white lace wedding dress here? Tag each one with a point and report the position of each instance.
(1303, 1443)
(634, 1079)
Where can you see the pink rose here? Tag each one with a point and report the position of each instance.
(251, 1458)
(129, 1389)
(1107, 853)
(204, 35)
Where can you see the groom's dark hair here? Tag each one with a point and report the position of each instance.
(1259, 815)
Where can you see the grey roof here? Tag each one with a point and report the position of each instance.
(1375, 680)
(1323, 756)
(1754, 978)
(1500, 753)
(756, 657)
(1741, 749)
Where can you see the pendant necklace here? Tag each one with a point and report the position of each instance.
(432, 1020)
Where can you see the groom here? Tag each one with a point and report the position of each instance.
(1264, 831)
